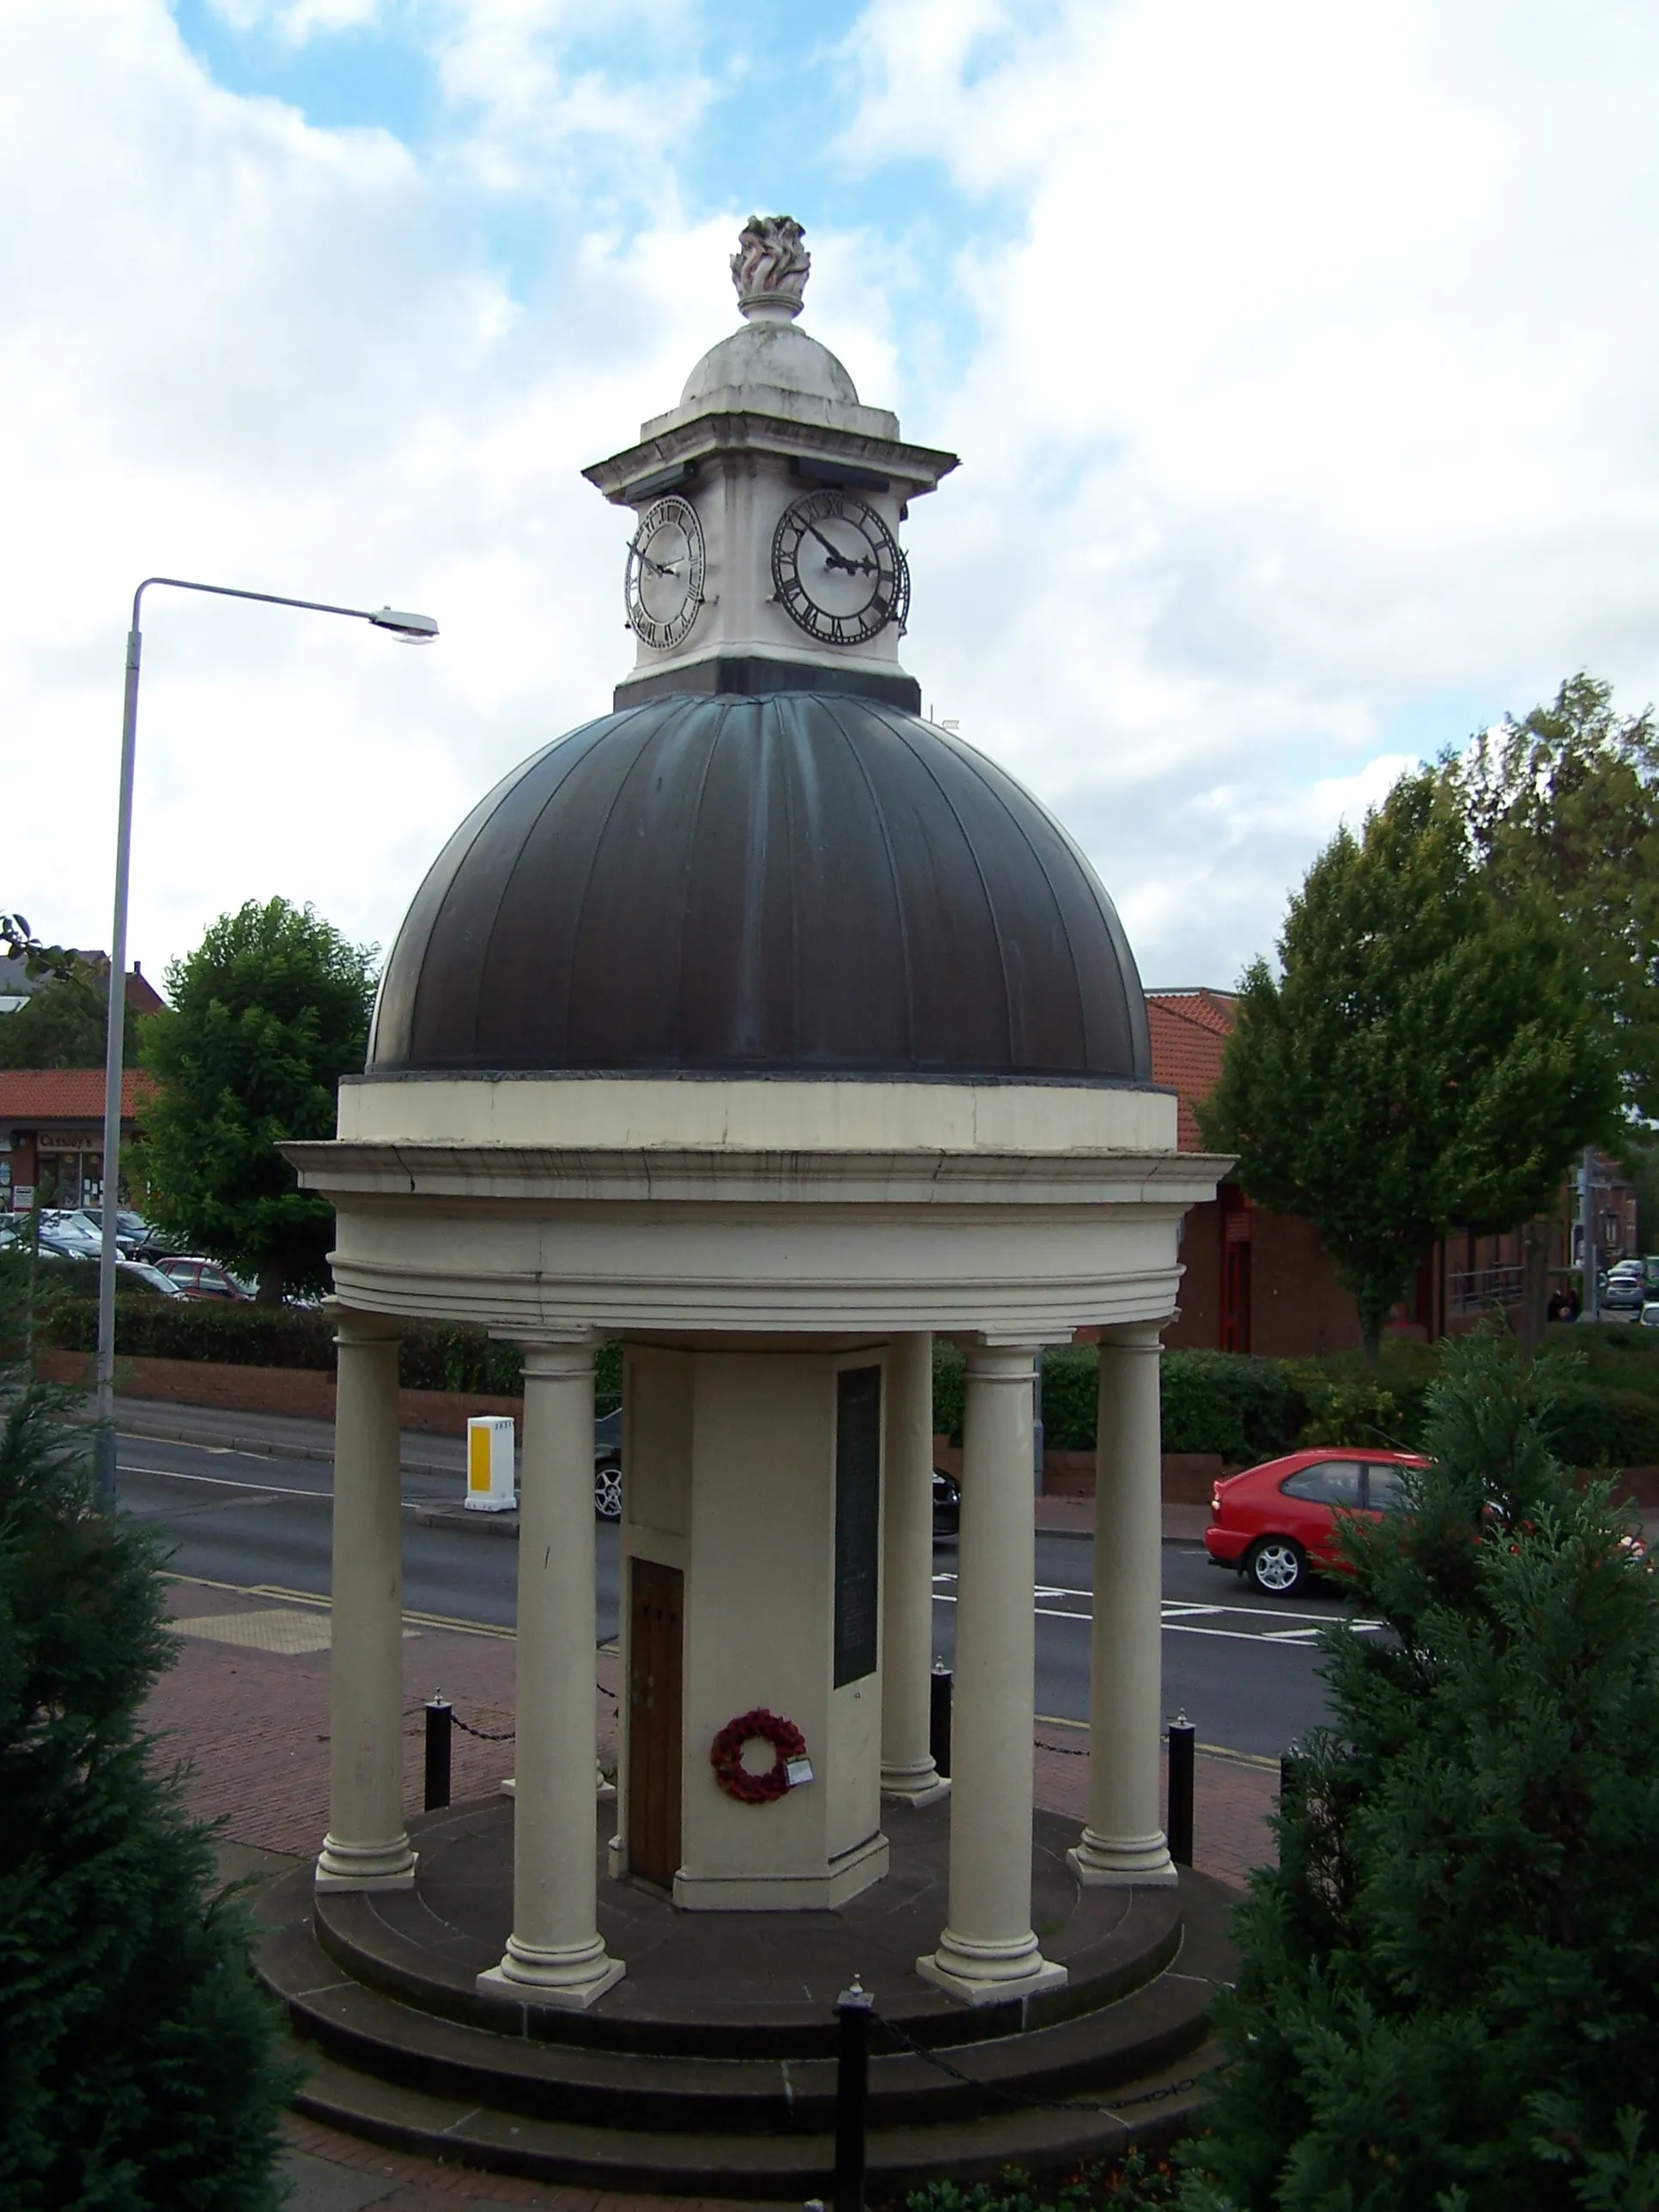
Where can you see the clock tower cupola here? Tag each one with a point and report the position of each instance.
(769, 509)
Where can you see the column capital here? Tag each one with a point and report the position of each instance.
(1001, 1363)
(352, 1324)
(557, 1358)
(1135, 1336)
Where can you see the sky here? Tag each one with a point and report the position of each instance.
(1302, 360)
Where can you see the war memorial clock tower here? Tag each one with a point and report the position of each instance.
(769, 506)
(766, 1029)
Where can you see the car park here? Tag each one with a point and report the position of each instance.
(204, 1279)
(1276, 1524)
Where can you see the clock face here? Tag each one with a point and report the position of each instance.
(837, 570)
(663, 586)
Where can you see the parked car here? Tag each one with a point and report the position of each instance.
(1625, 1290)
(607, 1466)
(140, 1275)
(204, 1279)
(1277, 1524)
(947, 1504)
(1648, 1316)
(73, 1228)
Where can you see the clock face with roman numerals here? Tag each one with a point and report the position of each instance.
(837, 569)
(663, 586)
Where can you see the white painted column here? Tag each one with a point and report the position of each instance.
(1123, 1842)
(988, 1951)
(367, 1846)
(554, 1955)
(907, 1772)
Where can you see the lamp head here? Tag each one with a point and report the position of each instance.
(407, 629)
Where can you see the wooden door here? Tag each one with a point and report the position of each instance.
(653, 1721)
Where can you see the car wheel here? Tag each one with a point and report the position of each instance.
(1276, 1565)
(607, 1492)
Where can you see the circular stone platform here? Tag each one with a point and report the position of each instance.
(708, 2070)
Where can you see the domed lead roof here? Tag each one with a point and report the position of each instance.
(797, 884)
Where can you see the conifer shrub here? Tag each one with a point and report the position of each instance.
(137, 2057)
(1448, 1998)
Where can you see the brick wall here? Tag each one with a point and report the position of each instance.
(1297, 1308)
(303, 1391)
(1186, 1475)
(1197, 1326)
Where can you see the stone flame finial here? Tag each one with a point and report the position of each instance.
(770, 267)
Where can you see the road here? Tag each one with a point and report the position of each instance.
(1244, 1668)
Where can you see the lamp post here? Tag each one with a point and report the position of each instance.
(409, 629)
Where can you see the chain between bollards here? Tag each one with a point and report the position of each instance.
(1182, 1738)
(439, 1715)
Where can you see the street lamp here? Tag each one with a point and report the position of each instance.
(407, 629)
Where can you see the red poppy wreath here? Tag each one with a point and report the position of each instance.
(725, 1756)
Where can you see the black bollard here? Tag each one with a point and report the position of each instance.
(939, 1685)
(1182, 1737)
(852, 2009)
(1290, 1778)
(438, 1712)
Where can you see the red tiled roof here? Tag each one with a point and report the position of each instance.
(1189, 1029)
(28, 1095)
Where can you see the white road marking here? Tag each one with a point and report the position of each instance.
(1184, 1616)
(225, 1482)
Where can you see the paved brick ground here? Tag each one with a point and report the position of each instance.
(250, 1718)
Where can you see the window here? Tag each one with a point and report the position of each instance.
(1332, 1482)
(1385, 1489)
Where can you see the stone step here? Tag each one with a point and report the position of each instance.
(368, 2031)
(708, 1992)
(1151, 2110)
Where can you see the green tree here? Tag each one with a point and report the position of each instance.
(1426, 1057)
(1449, 1987)
(267, 1014)
(62, 1025)
(1566, 800)
(138, 2059)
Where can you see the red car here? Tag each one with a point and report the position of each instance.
(1277, 1524)
(204, 1279)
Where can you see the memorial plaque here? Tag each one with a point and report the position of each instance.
(858, 1522)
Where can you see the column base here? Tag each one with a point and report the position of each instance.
(366, 1866)
(568, 1977)
(1122, 1862)
(989, 1973)
(914, 1785)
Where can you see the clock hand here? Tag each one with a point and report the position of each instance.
(655, 567)
(837, 558)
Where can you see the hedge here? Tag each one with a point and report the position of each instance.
(431, 1355)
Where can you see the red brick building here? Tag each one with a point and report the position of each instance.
(1257, 1281)
(51, 1132)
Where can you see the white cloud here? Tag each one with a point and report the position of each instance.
(1312, 384)
(1317, 378)
(251, 352)
(296, 21)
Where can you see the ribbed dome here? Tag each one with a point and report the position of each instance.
(775, 357)
(798, 885)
